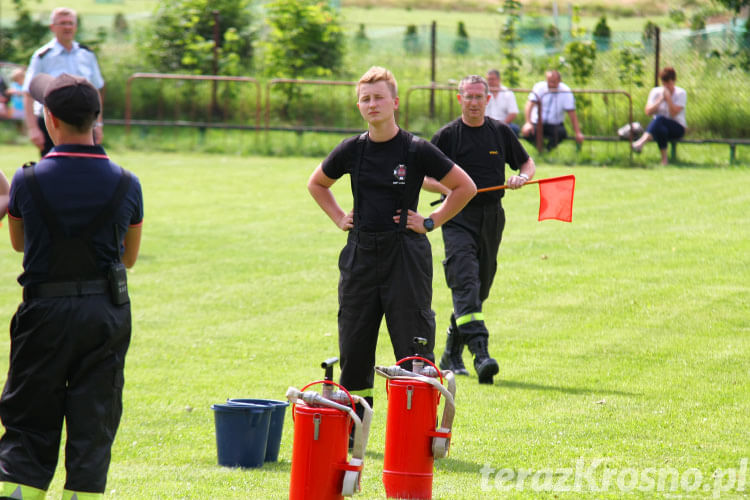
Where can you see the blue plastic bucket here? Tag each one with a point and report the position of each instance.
(277, 423)
(241, 434)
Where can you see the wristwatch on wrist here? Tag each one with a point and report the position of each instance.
(429, 224)
(525, 177)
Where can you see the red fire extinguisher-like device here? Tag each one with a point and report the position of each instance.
(411, 441)
(322, 425)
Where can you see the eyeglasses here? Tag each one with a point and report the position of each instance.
(65, 23)
(474, 97)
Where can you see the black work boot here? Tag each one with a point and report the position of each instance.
(454, 347)
(485, 366)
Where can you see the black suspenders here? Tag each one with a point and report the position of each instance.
(412, 144)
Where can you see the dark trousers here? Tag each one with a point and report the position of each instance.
(472, 239)
(48, 144)
(389, 274)
(554, 134)
(664, 130)
(66, 362)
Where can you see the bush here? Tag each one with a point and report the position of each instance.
(181, 37)
(412, 44)
(304, 39)
(602, 34)
(461, 44)
(551, 37)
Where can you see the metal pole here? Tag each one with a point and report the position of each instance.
(214, 105)
(657, 50)
(433, 37)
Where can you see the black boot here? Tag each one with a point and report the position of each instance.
(454, 348)
(485, 366)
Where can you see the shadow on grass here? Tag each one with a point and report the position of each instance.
(456, 465)
(513, 384)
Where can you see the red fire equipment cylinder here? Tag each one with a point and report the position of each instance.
(320, 470)
(411, 440)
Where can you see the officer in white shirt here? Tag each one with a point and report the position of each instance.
(61, 55)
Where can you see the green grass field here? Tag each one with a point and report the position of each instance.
(623, 336)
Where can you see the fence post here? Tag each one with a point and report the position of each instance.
(433, 44)
(214, 104)
(657, 50)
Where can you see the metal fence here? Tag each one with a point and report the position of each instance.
(718, 95)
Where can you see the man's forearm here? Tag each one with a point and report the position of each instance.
(28, 109)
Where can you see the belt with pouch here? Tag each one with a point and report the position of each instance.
(65, 289)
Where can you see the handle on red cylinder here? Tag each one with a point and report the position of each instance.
(329, 382)
(411, 358)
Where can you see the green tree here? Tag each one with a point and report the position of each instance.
(304, 39)
(551, 37)
(509, 37)
(649, 34)
(698, 37)
(602, 34)
(630, 65)
(181, 37)
(120, 25)
(25, 36)
(461, 44)
(739, 57)
(411, 40)
(361, 42)
(580, 54)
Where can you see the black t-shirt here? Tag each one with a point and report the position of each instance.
(385, 178)
(76, 186)
(482, 152)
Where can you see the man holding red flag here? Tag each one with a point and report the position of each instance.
(482, 146)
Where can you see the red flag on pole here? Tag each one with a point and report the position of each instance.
(556, 198)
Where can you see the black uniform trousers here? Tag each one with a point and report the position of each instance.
(48, 144)
(383, 273)
(472, 239)
(67, 357)
(553, 133)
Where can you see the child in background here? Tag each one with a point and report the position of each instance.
(15, 92)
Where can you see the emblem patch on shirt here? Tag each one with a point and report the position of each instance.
(399, 175)
(493, 152)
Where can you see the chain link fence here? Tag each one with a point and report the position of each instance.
(718, 95)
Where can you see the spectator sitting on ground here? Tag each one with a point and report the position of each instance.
(556, 99)
(667, 105)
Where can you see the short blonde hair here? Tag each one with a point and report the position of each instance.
(62, 11)
(379, 74)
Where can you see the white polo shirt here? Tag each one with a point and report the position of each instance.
(501, 105)
(554, 104)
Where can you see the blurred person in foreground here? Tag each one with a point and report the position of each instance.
(76, 216)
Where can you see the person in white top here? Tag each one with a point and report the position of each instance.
(502, 105)
(557, 99)
(667, 105)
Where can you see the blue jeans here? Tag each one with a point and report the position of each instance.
(664, 130)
